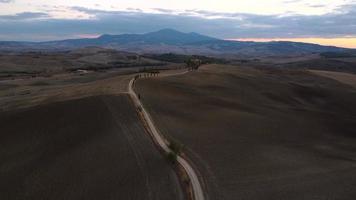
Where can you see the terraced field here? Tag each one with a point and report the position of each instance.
(90, 148)
(260, 133)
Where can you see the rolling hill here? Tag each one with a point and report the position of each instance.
(261, 134)
(172, 41)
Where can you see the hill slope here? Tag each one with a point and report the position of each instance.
(260, 134)
(169, 40)
(91, 148)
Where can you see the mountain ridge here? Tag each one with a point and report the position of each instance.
(173, 41)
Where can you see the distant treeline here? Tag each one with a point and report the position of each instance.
(179, 58)
(112, 65)
(338, 54)
(322, 64)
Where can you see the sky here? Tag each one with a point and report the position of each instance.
(327, 22)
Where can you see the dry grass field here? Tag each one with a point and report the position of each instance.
(21, 93)
(93, 58)
(346, 78)
(89, 148)
(260, 133)
(77, 136)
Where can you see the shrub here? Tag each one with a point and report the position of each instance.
(175, 146)
(40, 83)
(171, 157)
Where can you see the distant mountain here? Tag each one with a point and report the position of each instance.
(165, 36)
(277, 48)
(172, 41)
(162, 37)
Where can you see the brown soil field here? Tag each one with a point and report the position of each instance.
(89, 148)
(347, 78)
(260, 133)
(21, 93)
(36, 63)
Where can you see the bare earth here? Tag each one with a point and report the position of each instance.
(260, 134)
(197, 192)
(21, 93)
(78, 137)
(346, 78)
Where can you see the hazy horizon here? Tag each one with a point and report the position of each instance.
(327, 22)
(338, 42)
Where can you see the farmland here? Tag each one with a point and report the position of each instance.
(28, 92)
(346, 78)
(34, 78)
(70, 131)
(13, 64)
(88, 148)
(260, 133)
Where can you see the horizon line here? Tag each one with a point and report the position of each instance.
(341, 42)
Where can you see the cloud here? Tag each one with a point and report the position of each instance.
(162, 10)
(6, 1)
(316, 5)
(292, 1)
(24, 16)
(134, 9)
(341, 23)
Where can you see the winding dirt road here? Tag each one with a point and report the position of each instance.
(197, 189)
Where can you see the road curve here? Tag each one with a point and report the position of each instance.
(196, 186)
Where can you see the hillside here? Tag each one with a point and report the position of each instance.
(88, 58)
(90, 148)
(260, 133)
(172, 41)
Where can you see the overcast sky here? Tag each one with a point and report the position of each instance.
(319, 21)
